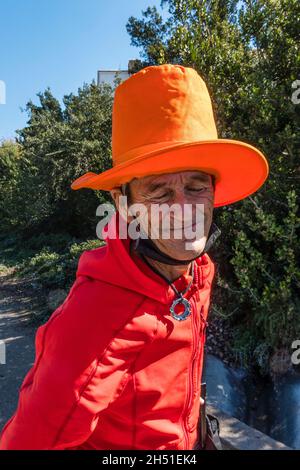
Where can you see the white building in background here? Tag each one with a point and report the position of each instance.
(108, 76)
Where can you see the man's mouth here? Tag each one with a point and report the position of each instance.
(195, 229)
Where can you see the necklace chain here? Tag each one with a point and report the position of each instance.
(179, 294)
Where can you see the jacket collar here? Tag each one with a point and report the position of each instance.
(148, 248)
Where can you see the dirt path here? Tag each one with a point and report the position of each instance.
(17, 298)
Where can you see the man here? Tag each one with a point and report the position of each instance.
(118, 365)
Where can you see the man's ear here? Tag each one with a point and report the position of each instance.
(122, 205)
(115, 195)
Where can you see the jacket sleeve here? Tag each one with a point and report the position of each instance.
(83, 358)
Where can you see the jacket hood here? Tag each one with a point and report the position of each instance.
(114, 264)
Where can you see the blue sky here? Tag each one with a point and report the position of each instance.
(60, 44)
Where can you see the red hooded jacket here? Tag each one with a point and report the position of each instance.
(113, 369)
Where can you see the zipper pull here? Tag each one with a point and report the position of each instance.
(202, 318)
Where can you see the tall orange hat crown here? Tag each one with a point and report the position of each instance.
(163, 122)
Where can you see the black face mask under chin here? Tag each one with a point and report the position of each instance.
(146, 247)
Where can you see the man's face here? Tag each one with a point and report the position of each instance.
(190, 191)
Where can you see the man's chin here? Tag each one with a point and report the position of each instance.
(195, 247)
(186, 249)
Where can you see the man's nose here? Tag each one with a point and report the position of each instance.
(180, 198)
(184, 213)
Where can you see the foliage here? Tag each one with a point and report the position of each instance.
(57, 146)
(10, 161)
(49, 259)
(53, 269)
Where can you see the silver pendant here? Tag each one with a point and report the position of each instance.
(185, 313)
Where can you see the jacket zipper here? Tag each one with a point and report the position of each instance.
(191, 371)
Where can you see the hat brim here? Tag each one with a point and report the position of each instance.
(240, 169)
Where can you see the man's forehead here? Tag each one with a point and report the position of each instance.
(182, 175)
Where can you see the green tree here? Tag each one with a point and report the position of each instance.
(10, 163)
(61, 144)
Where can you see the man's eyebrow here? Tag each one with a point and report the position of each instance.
(201, 178)
(154, 186)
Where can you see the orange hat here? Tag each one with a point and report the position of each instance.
(163, 123)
